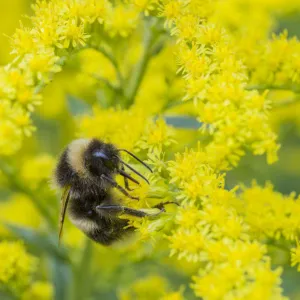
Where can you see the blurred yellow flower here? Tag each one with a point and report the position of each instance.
(18, 210)
(121, 21)
(114, 125)
(35, 170)
(143, 289)
(39, 290)
(16, 267)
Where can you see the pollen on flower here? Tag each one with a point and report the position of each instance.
(157, 136)
(188, 216)
(22, 41)
(73, 35)
(42, 63)
(189, 244)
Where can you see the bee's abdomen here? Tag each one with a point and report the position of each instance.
(106, 234)
(103, 230)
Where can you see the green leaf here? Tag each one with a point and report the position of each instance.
(40, 243)
(83, 273)
(6, 296)
(61, 278)
(291, 23)
(186, 122)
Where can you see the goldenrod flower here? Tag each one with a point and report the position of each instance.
(39, 290)
(121, 21)
(73, 34)
(16, 267)
(145, 5)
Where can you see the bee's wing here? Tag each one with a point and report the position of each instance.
(63, 208)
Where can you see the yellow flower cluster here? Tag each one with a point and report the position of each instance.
(271, 63)
(16, 267)
(278, 64)
(58, 29)
(15, 122)
(140, 289)
(123, 20)
(156, 137)
(216, 80)
(121, 127)
(210, 230)
(269, 213)
(249, 35)
(40, 290)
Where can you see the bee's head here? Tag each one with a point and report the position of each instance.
(88, 157)
(101, 158)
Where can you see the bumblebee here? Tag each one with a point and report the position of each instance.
(86, 172)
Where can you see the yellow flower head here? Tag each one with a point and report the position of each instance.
(122, 21)
(16, 267)
(19, 210)
(37, 169)
(39, 290)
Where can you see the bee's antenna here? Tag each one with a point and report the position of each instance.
(137, 159)
(121, 172)
(133, 170)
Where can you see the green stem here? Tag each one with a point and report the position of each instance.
(137, 75)
(173, 104)
(105, 81)
(285, 102)
(295, 89)
(113, 61)
(83, 272)
(277, 245)
(16, 185)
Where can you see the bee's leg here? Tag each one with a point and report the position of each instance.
(161, 205)
(126, 182)
(119, 209)
(121, 189)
